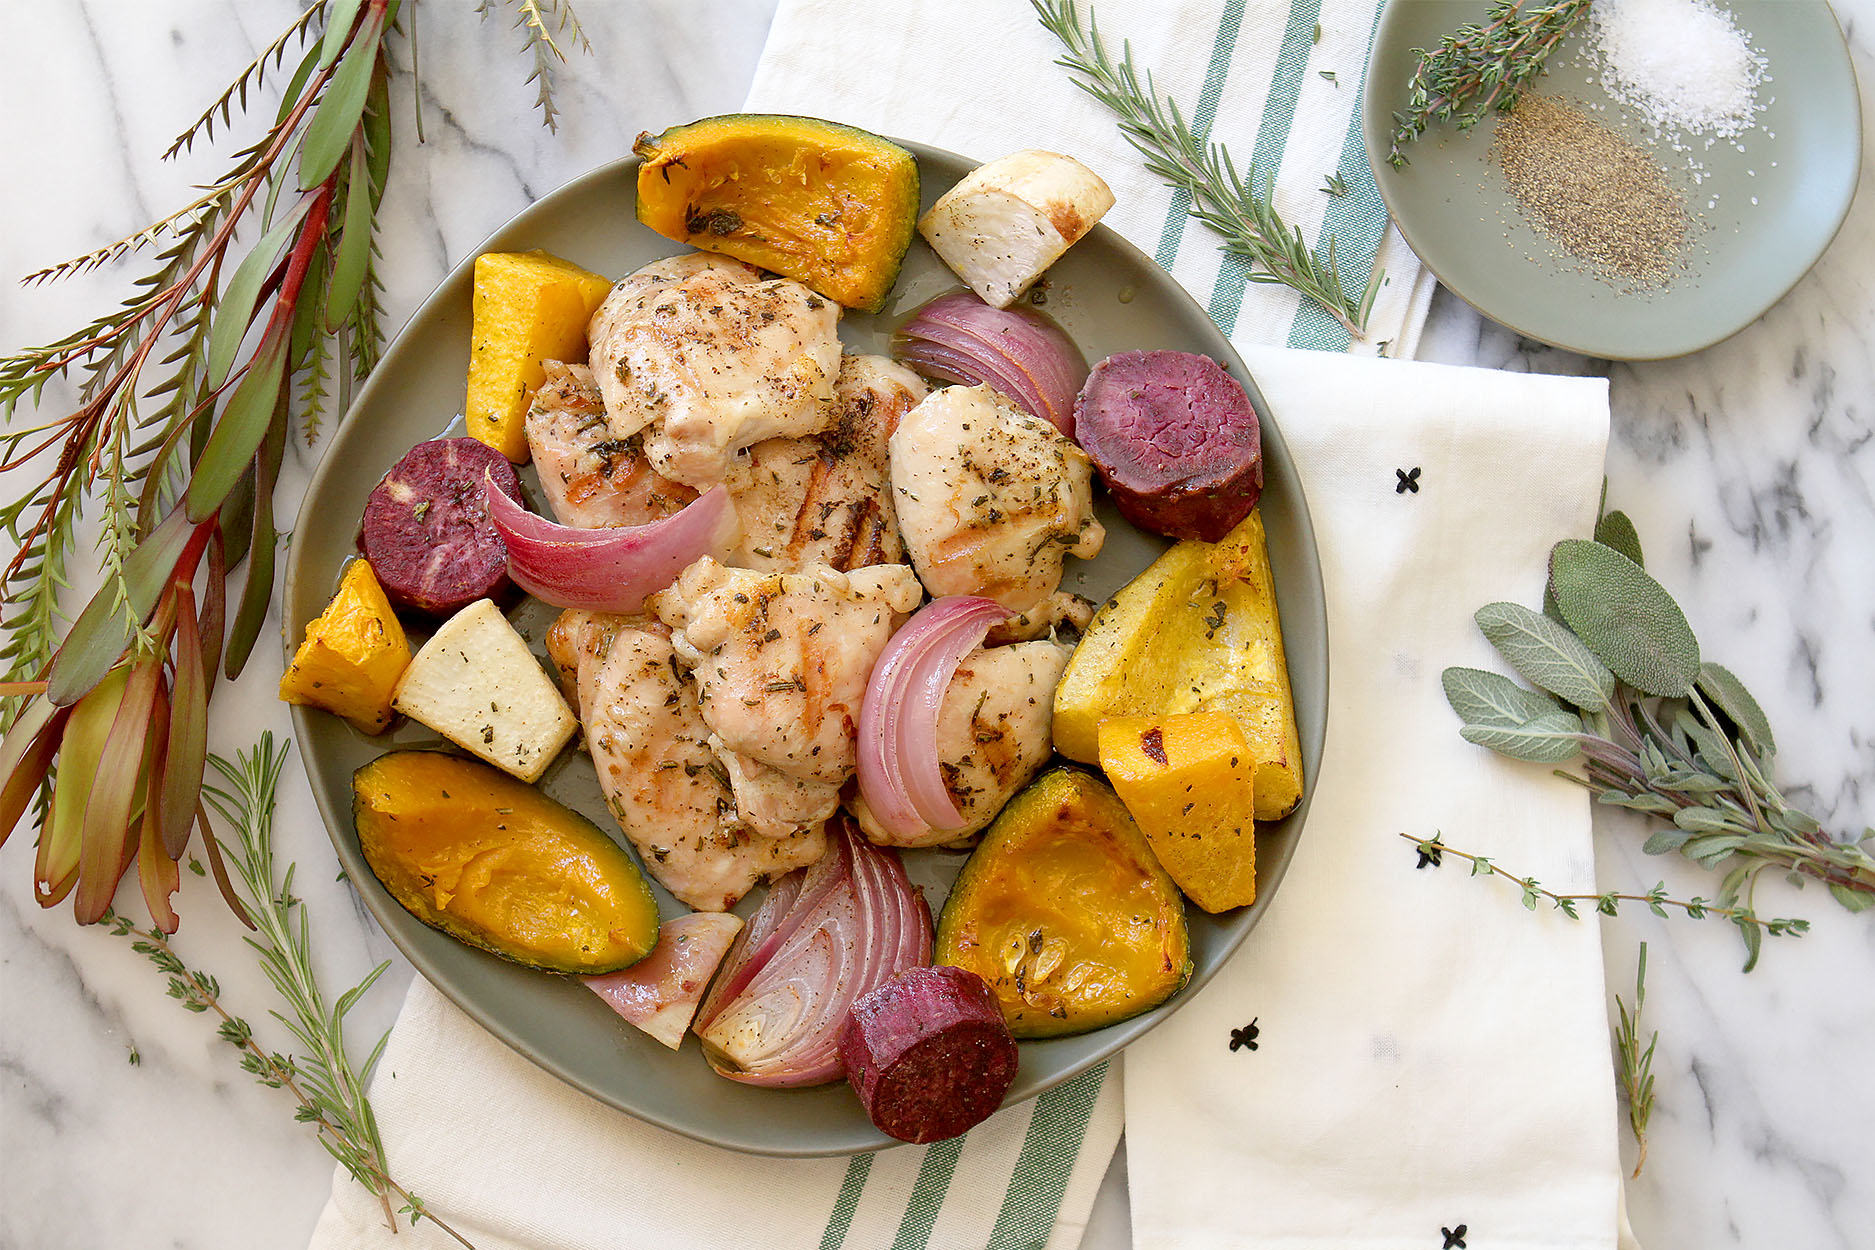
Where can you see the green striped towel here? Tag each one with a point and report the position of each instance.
(518, 1160)
(1276, 81)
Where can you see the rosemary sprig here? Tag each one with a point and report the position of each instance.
(1620, 682)
(1232, 206)
(1635, 1065)
(542, 20)
(329, 1088)
(1482, 66)
(1433, 850)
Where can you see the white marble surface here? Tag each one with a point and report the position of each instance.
(1749, 469)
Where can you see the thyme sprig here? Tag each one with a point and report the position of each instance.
(1620, 684)
(1237, 208)
(1482, 66)
(1636, 1066)
(1434, 849)
(328, 1086)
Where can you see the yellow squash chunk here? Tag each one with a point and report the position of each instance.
(1065, 913)
(530, 307)
(493, 862)
(352, 656)
(824, 204)
(1198, 631)
(1189, 782)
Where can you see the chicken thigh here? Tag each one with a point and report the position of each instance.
(993, 735)
(781, 662)
(989, 498)
(824, 499)
(662, 780)
(591, 478)
(707, 356)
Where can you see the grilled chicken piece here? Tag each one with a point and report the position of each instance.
(706, 356)
(661, 779)
(592, 479)
(824, 499)
(989, 498)
(993, 735)
(781, 660)
(1063, 612)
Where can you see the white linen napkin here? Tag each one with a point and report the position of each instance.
(1277, 82)
(1401, 1056)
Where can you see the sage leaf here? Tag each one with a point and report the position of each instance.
(1729, 695)
(1754, 939)
(1485, 698)
(335, 119)
(1547, 655)
(1852, 899)
(1626, 617)
(1615, 530)
(1706, 820)
(1547, 739)
(1665, 841)
(1711, 746)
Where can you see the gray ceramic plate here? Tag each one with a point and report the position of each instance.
(1111, 298)
(1763, 216)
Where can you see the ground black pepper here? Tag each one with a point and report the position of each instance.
(1597, 195)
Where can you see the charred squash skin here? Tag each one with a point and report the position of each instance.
(493, 862)
(827, 205)
(1066, 913)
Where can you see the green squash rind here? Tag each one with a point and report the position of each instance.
(1019, 823)
(622, 869)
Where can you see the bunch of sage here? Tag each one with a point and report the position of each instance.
(1619, 681)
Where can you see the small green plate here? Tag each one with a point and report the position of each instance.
(1762, 216)
(1110, 297)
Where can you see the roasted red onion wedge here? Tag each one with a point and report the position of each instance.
(898, 752)
(959, 338)
(660, 993)
(610, 570)
(824, 936)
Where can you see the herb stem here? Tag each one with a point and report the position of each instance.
(1607, 904)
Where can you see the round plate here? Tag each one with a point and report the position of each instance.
(1762, 216)
(1110, 297)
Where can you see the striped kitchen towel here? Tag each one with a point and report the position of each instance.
(1278, 82)
(515, 1159)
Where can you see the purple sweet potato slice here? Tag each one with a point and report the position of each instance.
(427, 531)
(1176, 441)
(929, 1053)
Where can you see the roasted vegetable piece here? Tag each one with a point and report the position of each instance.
(1007, 221)
(821, 203)
(659, 994)
(493, 862)
(1176, 441)
(929, 1053)
(530, 307)
(1065, 912)
(1198, 631)
(476, 683)
(1188, 779)
(352, 656)
(426, 528)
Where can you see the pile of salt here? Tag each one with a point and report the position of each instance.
(1682, 65)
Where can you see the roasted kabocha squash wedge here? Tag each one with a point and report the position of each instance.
(352, 655)
(1066, 913)
(493, 862)
(827, 205)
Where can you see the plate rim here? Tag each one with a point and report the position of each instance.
(1376, 134)
(389, 915)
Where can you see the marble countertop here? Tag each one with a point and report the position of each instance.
(1749, 470)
